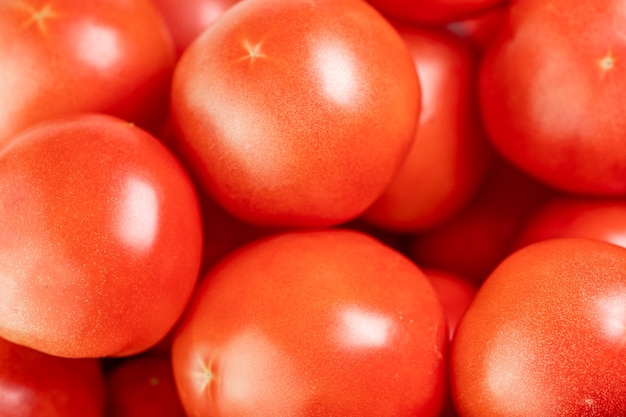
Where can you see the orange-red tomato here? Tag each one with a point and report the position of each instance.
(296, 113)
(101, 238)
(313, 323)
(545, 335)
(66, 56)
(450, 154)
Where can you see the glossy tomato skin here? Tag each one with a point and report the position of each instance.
(186, 20)
(551, 93)
(67, 56)
(101, 240)
(143, 385)
(33, 384)
(545, 335)
(296, 113)
(450, 154)
(570, 216)
(312, 323)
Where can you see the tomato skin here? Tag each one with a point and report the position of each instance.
(143, 385)
(312, 323)
(95, 211)
(33, 384)
(296, 113)
(432, 11)
(551, 93)
(186, 20)
(570, 216)
(70, 56)
(450, 154)
(545, 335)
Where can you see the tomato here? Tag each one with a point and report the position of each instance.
(472, 243)
(143, 386)
(312, 323)
(296, 113)
(67, 56)
(551, 91)
(187, 19)
(567, 216)
(480, 29)
(450, 154)
(432, 11)
(101, 241)
(33, 384)
(545, 335)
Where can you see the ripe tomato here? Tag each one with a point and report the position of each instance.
(546, 335)
(312, 323)
(450, 154)
(552, 93)
(566, 216)
(143, 386)
(187, 19)
(65, 56)
(33, 384)
(296, 113)
(480, 29)
(432, 11)
(101, 237)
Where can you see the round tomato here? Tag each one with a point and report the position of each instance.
(101, 238)
(143, 386)
(33, 384)
(313, 323)
(450, 153)
(546, 335)
(67, 56)
(552, 93)
(187, 19)
(296, 113)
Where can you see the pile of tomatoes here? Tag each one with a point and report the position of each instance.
(300, 208)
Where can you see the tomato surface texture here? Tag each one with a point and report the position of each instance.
(313, 323)
(101, 240)
(296, 113)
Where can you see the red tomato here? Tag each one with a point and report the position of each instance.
(432, 11)
(65, 56)
(546, 335)
(313, 323)
(296, 113)
(480, 29)
(552, 93)
(455, 294)
(100, 244)
(33, 384)
(187, 19)
(576, 217)
(450, 154)
(143, 386)
(477, 239)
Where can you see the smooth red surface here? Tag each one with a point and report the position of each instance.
(432, 11)
(313, 323)
(100, 245)
(477, 239)
(565, 216)
(450, 154)
(545, 335)
(66, 56)
(33, 384)
(186, 20)
(143, 386)
(551, 88)
(296, 113)
(480, 29)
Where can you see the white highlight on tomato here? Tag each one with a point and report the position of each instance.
(611, 314)
(139, 213)
(337, 72)
(364, 328)
(99, 46)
